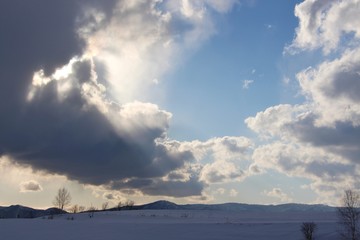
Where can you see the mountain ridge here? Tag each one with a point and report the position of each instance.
(18, 211)
(287, 207)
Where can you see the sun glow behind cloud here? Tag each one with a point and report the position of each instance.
(100, 93)
(144, 40)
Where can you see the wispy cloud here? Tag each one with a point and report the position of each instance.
(247, 83)
(269, 26)
(233, 193)
(279, 194)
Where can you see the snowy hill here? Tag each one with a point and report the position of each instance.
(18, 211)
(161, 205)
(290, 207)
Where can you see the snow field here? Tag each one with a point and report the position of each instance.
(170, 225)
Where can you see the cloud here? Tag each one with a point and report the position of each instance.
(193, 187)
(255, 169)
(30, 186)
(220, 172)
(219, 159)
(220, 191)
(216, 161)
(233, 193)
(74, 134)
(148, 39)
(324, 23)
(279, 194)
(303, 161)
(246, 83)
(218, 148)
(75, 80)
(114, 197)
(318, 138)
(333, 87)
(270, 122)
(299, 148)
(222, 6)
(286, 80)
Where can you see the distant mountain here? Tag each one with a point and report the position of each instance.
(18, 211)
(161, 205)
(290, 207)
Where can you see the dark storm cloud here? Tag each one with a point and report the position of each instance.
(70, 137)
(159, 187)
(61, 132)
(39, 34)
(175, 188)
(174, 176)
(34, 34)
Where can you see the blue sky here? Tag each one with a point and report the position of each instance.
(248, 45)
(205, 101)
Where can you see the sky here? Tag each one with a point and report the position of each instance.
(191, 101)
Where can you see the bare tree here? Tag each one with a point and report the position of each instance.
(129, 204)
(81, 208)
(105, 205)
(62, 198)
(119, 205)
(349, 215)
(308, 229)
(75, 209)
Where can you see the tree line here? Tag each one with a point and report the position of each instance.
(63, 198)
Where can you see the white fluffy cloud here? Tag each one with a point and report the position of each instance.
(318, 139)
(324, 23)
(218, 160)
(299, 148)
(220, 148)
(333, 87)
(220, 172)
(269, 123)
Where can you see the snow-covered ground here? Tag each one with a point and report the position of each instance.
(170, 225)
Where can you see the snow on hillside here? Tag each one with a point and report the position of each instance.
(171, 225)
